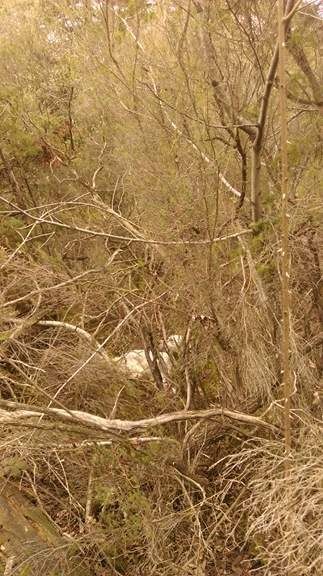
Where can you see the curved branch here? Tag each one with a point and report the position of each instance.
(81, 332)
(86, 419)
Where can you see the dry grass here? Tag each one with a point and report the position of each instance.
(279, 520)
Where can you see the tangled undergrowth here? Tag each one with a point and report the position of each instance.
(209, 496)
(131, 132)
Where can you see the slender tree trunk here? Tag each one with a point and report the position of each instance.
(262, 117)
(285, 256)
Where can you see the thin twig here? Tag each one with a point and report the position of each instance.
(49, 288)
(170, 121)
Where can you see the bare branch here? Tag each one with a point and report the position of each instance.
(205, 242)
(173, 125)
(81, 332)
(23, 411)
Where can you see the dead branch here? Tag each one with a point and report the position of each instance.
(81, 332)
(23, 411)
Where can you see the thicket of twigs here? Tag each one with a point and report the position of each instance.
(129, 213)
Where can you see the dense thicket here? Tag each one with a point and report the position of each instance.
(140, 197)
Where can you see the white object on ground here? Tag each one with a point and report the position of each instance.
(135, 362)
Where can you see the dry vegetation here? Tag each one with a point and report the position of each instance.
(140, 197)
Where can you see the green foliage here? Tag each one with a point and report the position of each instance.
(267, 270)
(211, 379)
(262, 233)
(13, 467)
(9, 227)
(22, 144)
